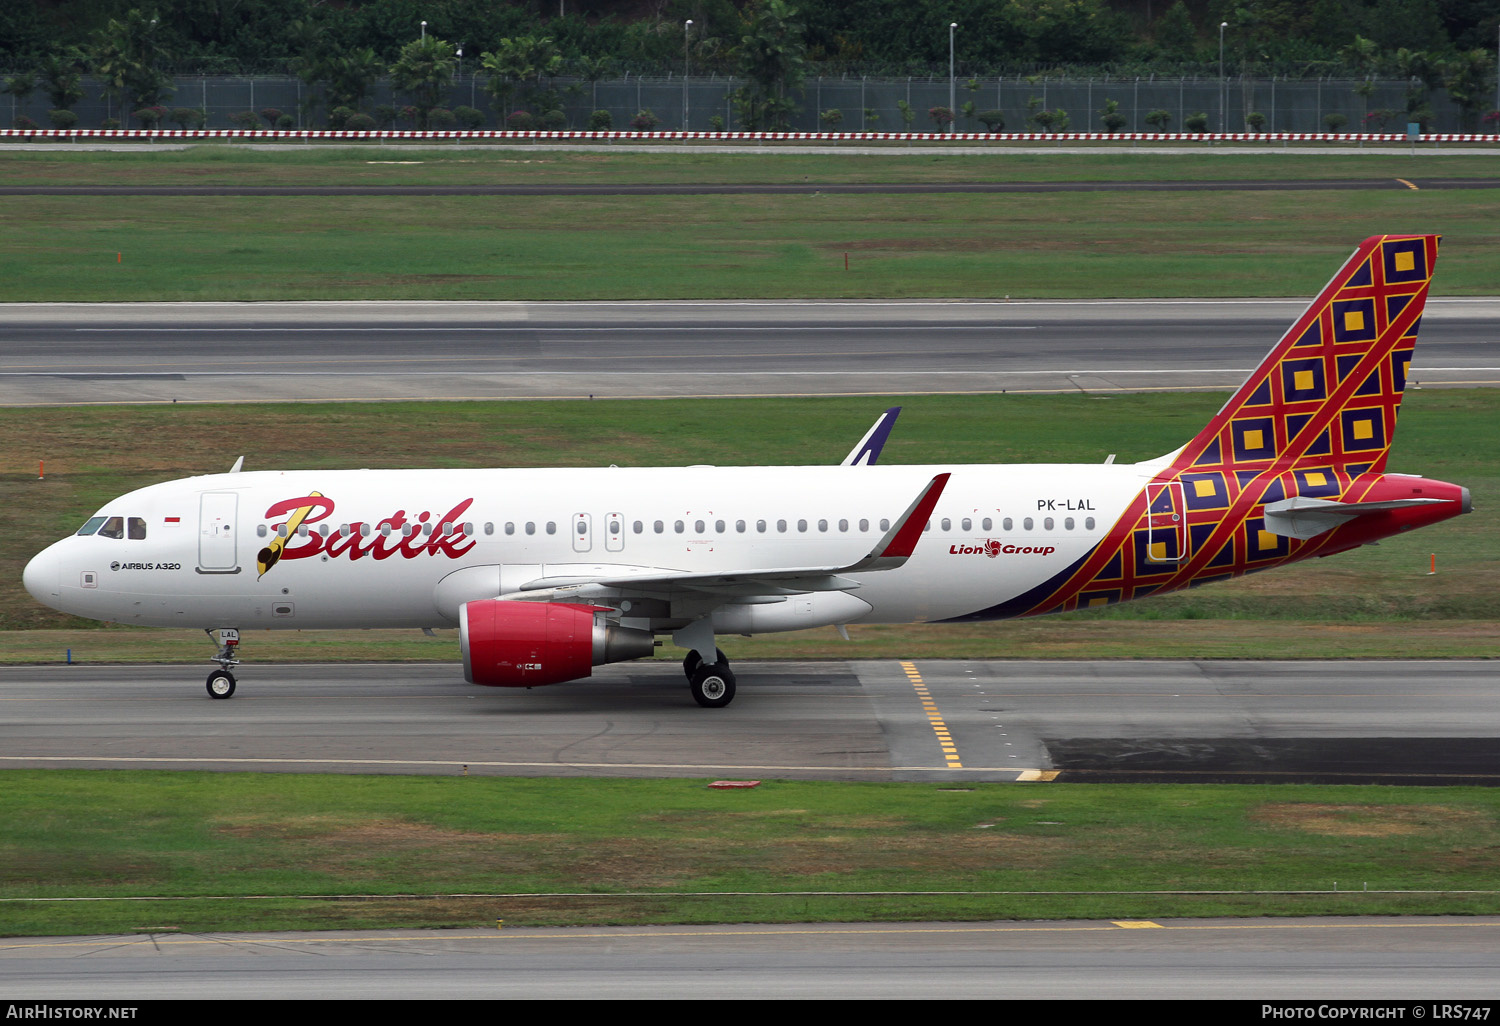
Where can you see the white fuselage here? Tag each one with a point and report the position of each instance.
(361, 556)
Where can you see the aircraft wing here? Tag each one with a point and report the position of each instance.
(868, 450)
(892, 550)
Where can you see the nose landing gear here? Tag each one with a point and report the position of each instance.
(221, 681)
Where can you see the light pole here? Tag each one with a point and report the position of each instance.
(1222, 26)
(424, 32)
(952, 95)
(686, 67)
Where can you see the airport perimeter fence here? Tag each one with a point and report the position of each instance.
(231, 135)
(868, 104)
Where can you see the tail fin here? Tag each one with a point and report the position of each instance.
(1328, 393)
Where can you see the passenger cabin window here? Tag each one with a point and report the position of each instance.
(90, 526)
(968, 525)
(885, 525)
(987, 523)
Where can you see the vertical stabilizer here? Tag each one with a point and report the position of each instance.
(1329, 391)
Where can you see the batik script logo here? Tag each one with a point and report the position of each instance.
(396, 535)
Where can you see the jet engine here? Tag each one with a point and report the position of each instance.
(523, 644)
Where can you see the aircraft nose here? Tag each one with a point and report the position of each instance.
(42, 576)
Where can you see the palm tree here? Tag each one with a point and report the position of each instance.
(61, 78)
(518, 61)
(772, 55)
(1466, 77)
(126, 55)
(592, 69)
(352, 77)
(425, 72)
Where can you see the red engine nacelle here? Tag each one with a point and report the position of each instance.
(523, 644)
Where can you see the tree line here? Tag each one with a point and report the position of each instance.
(134, 49)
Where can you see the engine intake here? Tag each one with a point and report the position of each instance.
(523, 644)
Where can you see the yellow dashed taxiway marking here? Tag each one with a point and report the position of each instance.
(935, 718)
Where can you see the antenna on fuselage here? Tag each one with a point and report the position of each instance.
(237, 465)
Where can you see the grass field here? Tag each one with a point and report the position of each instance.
(403, 164)
(1377, 601)
(397, 848)
(1106, 244)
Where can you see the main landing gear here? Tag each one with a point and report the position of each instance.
(221, 681)
(712, 684)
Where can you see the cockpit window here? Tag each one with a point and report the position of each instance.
(137, 527)
(91, 526)
(114, 527)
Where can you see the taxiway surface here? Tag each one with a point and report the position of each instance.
(1230, 721)
(1373, 959)
(256, 352)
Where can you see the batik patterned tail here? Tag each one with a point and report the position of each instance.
(1313, 422)
(1330, 390)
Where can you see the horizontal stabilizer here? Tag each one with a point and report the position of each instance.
(1304, 517)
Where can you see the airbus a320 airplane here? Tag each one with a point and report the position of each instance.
(548, 573)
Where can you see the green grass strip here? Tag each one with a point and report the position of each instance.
(1077, 245)
(372, 852)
